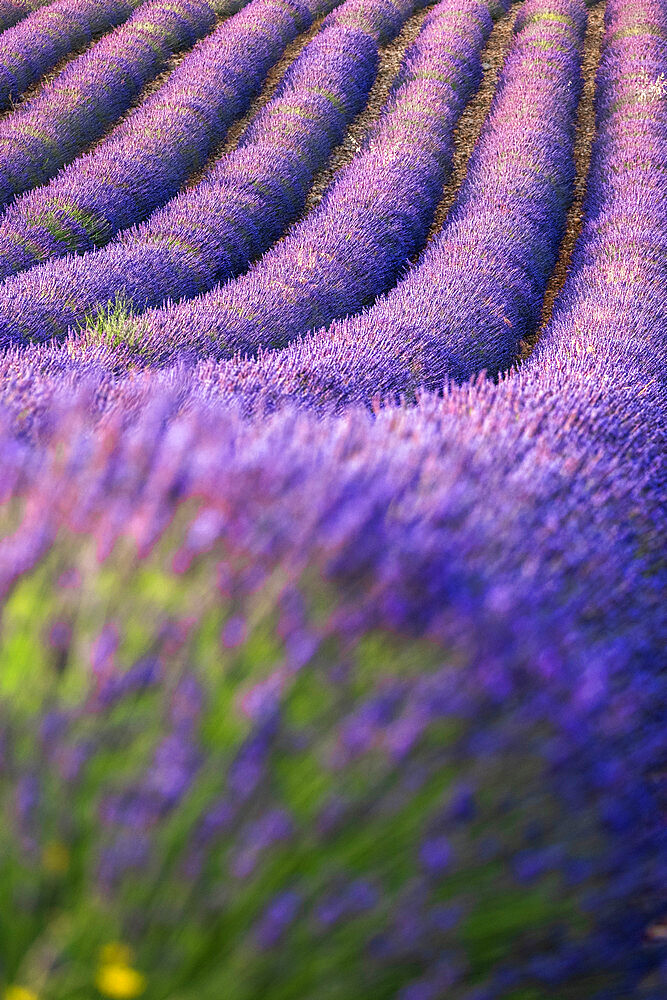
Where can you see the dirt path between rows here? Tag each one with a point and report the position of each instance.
(390, 57)
(470, 124)
(585, 134)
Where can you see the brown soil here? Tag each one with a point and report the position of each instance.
(582, 157)
(390, 57)
(470, 124)
(273, 78)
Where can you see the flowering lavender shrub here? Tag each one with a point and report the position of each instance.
(145, 160)
(91, 93)
(411, 339)
(13, 11)
(247, 198)
(302, 705)
(36, 45)
(287, 683)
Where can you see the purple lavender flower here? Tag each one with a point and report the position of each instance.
(280, 913)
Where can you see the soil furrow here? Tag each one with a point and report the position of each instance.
(388, 66)
(231, 140)
(468, 130)
(583, 145)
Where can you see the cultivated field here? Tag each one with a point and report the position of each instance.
(332, 499)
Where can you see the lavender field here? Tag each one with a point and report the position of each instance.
(333, 481)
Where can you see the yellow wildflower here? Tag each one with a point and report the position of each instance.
(120, 981)
(19, 993)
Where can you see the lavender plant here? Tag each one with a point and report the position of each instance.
(249, 198)
(283, 674)
(36, 45)
(91, 93)
(13, 11)
(146, 159)
(300, 705)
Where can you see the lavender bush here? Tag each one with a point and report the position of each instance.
(13, 11)
(37, 44)
(336, 745)
(303, 705)
(80, 104)
(147, 158)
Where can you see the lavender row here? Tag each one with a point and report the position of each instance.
(361, 700)
(247, 199)
(374, 217)
(13, 11)
(87, 97)
(35, 46)
(478, 288)
(613, 301)
(147, 158)
(173, 255)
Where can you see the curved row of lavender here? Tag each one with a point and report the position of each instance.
(612, 314)
(146, 159)
(35, 46)
(371, 221)
(358, 705)
(13, 11)
(477, 291)
(356, 701)
(175, 255)
(341, 749)
(92, 92)
(510, 213)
